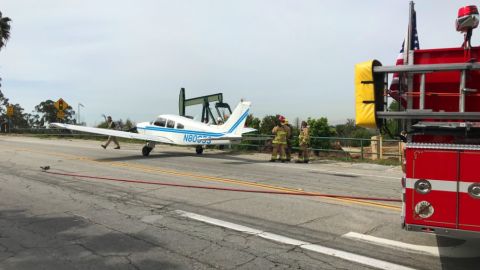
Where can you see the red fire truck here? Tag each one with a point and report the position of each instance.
(439, 94)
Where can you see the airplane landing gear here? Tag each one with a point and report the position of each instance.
(146, 151)
(199, 149)
(148, 148)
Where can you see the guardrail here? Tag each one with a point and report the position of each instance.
(347, 148)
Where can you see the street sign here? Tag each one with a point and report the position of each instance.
(61, 105)
(60, 114)
(10, 110)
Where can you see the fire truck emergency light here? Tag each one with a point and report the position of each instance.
(467, 19)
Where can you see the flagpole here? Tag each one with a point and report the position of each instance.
(408, 40)
(408, 58)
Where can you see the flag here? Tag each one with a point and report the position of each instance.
(414, 45)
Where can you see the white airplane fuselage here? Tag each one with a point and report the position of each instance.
(183, 131)
(179, 130)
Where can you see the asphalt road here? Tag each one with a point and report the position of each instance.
(52, 221)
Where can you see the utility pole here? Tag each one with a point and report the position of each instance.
(78, 115)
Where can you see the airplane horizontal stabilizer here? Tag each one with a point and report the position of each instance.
(247, 130)
(115, 133)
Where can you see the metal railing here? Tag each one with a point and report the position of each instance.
(349, 148)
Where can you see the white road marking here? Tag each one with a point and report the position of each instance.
(379, 264)
(470, 249)
(152, 219)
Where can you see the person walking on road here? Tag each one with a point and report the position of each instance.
(304, 143)
(280, 141)
(111, 125)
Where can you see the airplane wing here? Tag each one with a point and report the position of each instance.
(115, 133)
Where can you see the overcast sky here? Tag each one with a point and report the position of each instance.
(130, 58)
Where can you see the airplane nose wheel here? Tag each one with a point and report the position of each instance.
(148, 148)
(146, 151)
(199, 150)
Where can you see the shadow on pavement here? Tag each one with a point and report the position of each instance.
(166, 155)
(62, 241)
(459, 254)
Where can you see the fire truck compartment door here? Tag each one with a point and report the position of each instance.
(469, 195)
(366, 94)
(437, 205)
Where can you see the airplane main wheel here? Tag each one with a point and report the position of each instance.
(199, 150)
(146, 151)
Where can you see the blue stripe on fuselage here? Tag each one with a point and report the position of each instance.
(245, 114)
(193, 132)
(182, 131)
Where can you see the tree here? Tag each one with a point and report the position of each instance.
(19, 119)
(320, 128)
(253, 122)
(393, 125)
(346, 130)
(48, 113)
(3, 102)
(350, 130)
(4, 30)
(3, 106)
(120, 124)
(4, 36)
(129, 124)
(33, 120)
(267, 124)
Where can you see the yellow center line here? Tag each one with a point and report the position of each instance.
(145, 168)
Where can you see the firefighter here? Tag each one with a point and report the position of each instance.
(304, 143)
(111, 125)
(280, 141)
(288, 149)
(403, 138)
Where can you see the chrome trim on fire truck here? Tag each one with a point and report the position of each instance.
(442, 231)
(445, 185)
(423, 186)
(425, 114)
(426, 68)
(441, 146)
(436, 185)
(474, 190)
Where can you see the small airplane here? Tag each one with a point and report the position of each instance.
(179, 130)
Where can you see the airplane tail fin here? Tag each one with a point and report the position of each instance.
(236, 122)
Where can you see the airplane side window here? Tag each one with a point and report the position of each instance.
(180, 126)
(170, 124)
(160, 122)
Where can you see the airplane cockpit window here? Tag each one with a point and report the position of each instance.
(180, 126)
(160, 122)
(170, 124)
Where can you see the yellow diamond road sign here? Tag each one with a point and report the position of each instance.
(10, 110)
(61, 105)
(60, 114)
